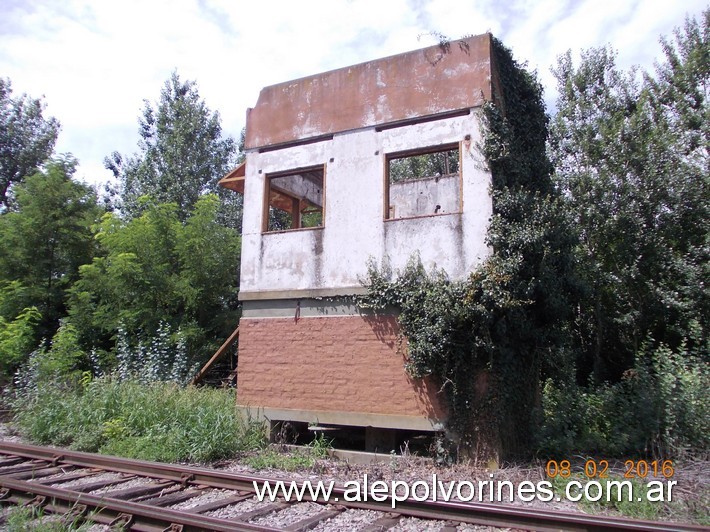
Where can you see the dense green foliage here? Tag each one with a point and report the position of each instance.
(160, 421)
(27, 138)
(592, 309)
(158, 274)
(17, 338)
(182, 156)
(46, 238)
(632, 160)
(641, 206)
(154, 269)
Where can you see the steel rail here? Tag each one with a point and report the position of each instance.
(145, 517)
(469, 512)
(173, 472)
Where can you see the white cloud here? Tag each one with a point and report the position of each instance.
(96, 61)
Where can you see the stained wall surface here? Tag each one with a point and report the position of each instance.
(420, 83)
(336, 256)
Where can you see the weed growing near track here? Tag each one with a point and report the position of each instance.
(156, 421)
(24, 518)
(298, 459)
(635, 509)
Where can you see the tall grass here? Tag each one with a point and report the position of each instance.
(155, 421)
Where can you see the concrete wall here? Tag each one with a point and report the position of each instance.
(335, 257)
(424, 197)
(418, 83)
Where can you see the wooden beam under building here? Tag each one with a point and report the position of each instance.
(218, 354)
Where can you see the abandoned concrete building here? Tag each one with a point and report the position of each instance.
(373, 161)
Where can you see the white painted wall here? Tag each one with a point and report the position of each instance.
(422, 196)
(336, 256)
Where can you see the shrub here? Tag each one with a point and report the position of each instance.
(61, 364)
(17, 339)
(156, 421)
(161, 357)
(660, 406)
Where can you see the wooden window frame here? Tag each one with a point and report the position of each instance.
(267, 198)
(414, 152)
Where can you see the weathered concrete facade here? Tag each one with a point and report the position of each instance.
(320, 152)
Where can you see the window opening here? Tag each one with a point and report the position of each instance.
(295, 199)
(424, 182)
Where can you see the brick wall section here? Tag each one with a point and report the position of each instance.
(342, 364)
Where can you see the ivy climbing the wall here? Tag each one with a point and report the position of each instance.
(488, 340)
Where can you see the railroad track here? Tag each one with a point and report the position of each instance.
(140, 495)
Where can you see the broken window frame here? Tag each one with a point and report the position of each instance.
(388, 157)
(268, 178)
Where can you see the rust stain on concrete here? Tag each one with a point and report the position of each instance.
(415, 84)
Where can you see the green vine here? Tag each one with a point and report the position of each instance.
(490, 339)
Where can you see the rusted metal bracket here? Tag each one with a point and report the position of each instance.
(37, 502)
(122, 520)
(75, 515)
(186, 478)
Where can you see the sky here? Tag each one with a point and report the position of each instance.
(96, 61)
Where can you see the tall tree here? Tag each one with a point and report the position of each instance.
(45, 240)
(182, 151)
(27, 138)
(631, 158)
(680, 89)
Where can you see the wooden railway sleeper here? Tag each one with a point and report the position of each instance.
(11, 460)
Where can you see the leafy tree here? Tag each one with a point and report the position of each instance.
(182, 153)
(680, 91)
(154, 271)
(594, 111)
(27, 138)
(45, 240)
(632, 162)
(632, 159)
(17, 339)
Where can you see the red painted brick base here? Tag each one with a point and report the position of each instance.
(337, 364)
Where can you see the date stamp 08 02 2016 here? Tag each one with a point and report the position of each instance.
(599, 468)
